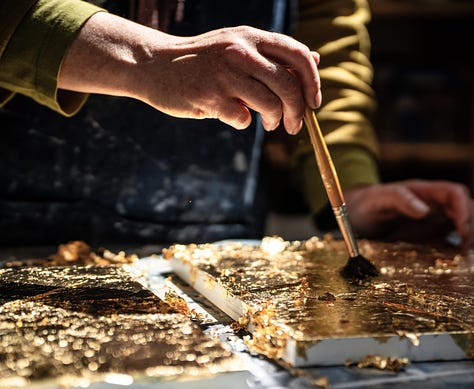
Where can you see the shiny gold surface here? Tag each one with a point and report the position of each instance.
(298, 292)
(76, 322)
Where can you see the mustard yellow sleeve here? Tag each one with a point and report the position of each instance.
(337, 30)
(34, 48)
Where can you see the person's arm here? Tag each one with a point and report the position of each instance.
(34, 46)
(62, 47)
(337, 30)
(220, 74)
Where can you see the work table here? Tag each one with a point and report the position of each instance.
(152, 279)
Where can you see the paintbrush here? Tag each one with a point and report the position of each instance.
(357, 266)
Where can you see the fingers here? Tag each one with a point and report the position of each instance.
(409, 204)
(375, 205)
(286, 86)
(400, 199)
(287, 69)
(269, 89)
(256, 96)
(235, 114)
(468, 239)
(453, 199)
(224, 73)
(458, 206)
(298, 57)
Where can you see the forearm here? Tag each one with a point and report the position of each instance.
(107, 57)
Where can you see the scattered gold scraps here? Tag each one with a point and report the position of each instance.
(268, 338)
(180, 305)
(394, 364)
(78, 253)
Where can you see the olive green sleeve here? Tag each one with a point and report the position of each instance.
(337, 30)
(34, 48)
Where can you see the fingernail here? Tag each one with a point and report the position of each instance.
(275, 125)
(295, 130)
(420, 206)
(271, 127)
(318, 100)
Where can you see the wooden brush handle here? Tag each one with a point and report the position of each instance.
(324, 160)
(331, 181)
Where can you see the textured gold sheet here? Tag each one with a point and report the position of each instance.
(67, 323)
(293, 290)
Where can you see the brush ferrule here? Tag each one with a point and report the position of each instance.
(346, 229)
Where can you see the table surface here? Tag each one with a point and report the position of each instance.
(261, 372)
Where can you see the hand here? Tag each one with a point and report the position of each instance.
(221, 74)
(412, 210)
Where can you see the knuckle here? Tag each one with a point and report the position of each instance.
(241, 119)
(401, 192)
(234, 114)
(461, 189)
(290, 88)
(238, 50)
(302, 51)
(273, 106)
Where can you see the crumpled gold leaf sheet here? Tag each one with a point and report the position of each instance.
(87, 321)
